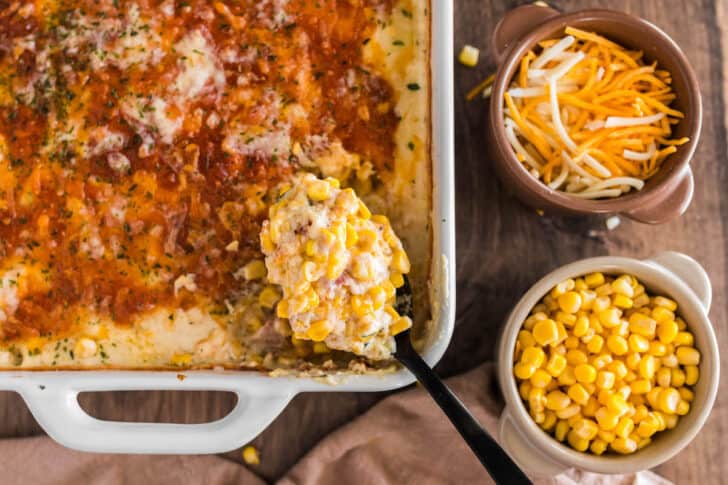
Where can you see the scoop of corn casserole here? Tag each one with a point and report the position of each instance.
(338, 265)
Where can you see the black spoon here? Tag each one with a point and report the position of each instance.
(498, 464)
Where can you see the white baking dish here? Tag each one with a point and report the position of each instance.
(52, 395)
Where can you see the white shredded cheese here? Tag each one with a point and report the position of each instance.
(621, 121)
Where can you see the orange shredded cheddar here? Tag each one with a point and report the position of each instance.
(588, 116)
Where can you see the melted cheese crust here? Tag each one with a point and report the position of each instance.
(141, 143)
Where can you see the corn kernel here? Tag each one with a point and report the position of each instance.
(671, 421)
(617, 404)
(533, 355)
(610, 317)
(468, 56)
(585, 428)
(647, 367)
(605, 379)
(561, 288)
(400, 262)
(318, 190)
(663, 377)
(618, 345)
(557, 400)
(595, 344)
(251, 456)
(352, 236)
(585, 373)
(668, 400)
(571, 342)
(638, 343)
(254, 270)
(648, 426)
(677, 377)
(400, 325)
(556, 365)
(319, 330)
(549, 421)
(587, 299)
(600, 304)
(545, 332)
(624, 446)
(661, 314)
(683, 407)
(536, 398)
(621, 301)
(567, 377)
(667, 331)
(640, 413)
(607, 436)
(642, 325)
(268, 297)
(567, 319)
(523, 389)
(570, 302)
(633, 360)
(601, 361)
(606, 418)
(687, 356)
(598, 446)
(397, 279)
(686, 394)
(619, 369)
(540, 378)
(524, 371)
(691, 375)
(641, 386)
(568, 412)
(575, 357)
(623, 286)
(658, 349)
(624, 427)
(594, 279)
(561, 429)
(670, 361)
(683, 339)
(665, 302)
(578, 394)
(576, 442)
(581, 326)
(538, 416)
(591, 407)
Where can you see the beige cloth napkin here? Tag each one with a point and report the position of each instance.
(402, 440)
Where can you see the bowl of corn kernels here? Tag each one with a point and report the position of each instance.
(609, 365)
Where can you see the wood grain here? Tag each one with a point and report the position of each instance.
(503, 248)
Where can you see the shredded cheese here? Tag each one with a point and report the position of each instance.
(589, 117)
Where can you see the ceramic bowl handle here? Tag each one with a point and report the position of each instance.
(55, 406)
(672, 205)
(515, 24)
(527, 456)
(689, 271)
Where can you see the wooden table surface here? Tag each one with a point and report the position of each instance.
(503, 247)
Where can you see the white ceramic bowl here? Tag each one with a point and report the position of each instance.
(671, 274)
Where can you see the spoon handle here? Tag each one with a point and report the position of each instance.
(498, 464)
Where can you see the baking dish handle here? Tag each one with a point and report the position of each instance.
(57, 410)
(515, 24)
